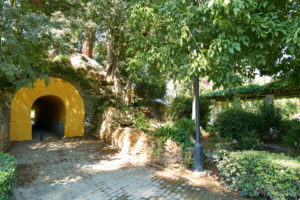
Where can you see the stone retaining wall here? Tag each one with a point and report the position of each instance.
(4, 126)
(3, 136)
(132, 141)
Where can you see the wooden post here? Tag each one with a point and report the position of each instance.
(223, 106)
(269, 98)
(213, 111)
(236, 102)
(218, 107)
(298, 105)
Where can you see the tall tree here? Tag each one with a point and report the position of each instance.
(88, 43)
(226, 40)
(25, 40)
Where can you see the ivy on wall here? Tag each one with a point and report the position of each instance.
(279, 89)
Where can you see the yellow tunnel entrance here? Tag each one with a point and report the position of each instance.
(57, 108)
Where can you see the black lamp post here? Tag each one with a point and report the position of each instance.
(198, 147)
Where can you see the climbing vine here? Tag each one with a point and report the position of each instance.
(253, 90)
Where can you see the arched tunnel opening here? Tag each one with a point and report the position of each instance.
(48, 117)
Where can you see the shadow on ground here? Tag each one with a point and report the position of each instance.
(83, 168)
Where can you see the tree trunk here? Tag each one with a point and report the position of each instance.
(1, 18)
(109, 65)
(12, 3)
(88, 42)
(113, 63)
(117, 77)
(128, 89)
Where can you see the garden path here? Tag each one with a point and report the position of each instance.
(81, 168)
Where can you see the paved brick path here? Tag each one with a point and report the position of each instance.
(76, 168)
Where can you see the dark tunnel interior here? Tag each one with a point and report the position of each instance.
(48, 117)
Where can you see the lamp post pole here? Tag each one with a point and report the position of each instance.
(198, 147)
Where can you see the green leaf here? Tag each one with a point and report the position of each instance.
(236, 11)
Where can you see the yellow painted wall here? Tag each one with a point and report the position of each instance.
(20, 124)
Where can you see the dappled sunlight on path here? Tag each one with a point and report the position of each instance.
(78, 168)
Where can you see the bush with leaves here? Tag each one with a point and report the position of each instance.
(212, 130)
(147, 90)
(243, 126)
(271, 117)
(181, 107)
(236, 123)
(291, 133)
(179, 131)
(261, 174)
(248, 142)
(142, 121)
(8, 165)
(288, 109)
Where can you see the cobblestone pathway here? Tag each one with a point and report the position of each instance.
(74, 168)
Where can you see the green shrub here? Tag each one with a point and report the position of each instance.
(179, 131)
(61, 69)
(146, 90)
(271, 117)
(142, 121)
(261, 174)
(8, 165)
(288, 109)
(212, 130)
(185, 124)
(236, 123)
(291, 133)
(181, 107)
(248, 142)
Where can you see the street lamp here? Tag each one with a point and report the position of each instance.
(198, 147)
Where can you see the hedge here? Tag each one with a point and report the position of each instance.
(8, 165)
(261, 174)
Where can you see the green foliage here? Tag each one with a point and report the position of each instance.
(228, 40)
(179, 131)
(252, 90)
(262, 122)
(261, 174)
(150, 90)
(181, 107)
(212, 130)
(249, 141)
(8, 165)
(288, 108)
(224, 40)
(237, 123)
(61, 68)
(142, 121)
(271, 117)
(243, 126)
(25, 40)
(291, 133)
